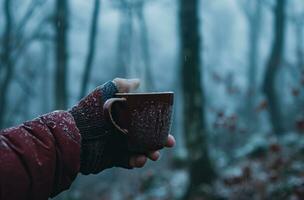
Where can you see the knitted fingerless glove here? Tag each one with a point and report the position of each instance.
(101, 146)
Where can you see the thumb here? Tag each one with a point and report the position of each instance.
(126, 85)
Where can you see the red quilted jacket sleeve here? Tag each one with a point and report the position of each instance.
(39, 158)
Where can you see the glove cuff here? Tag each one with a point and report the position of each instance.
(94, 130)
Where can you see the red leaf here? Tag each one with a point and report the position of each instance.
(273, 176)
(220, 114)
(235, 180)
(295, 92)
(300, 124)
(233, 118)
(275, 148)
(246, 173)
(277, 164)
(232, 127)
(262, 106)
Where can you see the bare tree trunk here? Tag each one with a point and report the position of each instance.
(124, 40)
(299, 29)
(254, 20)
(300, 46)
(61, 27)
(145, 46)
(91, 48)
(200, 169)
(6, 62)
(275, 59)
(45, 74)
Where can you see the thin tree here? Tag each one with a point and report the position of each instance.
(15, 41)
(200, 167)
(254, 17)
(6, 63)
(61, 53)
(273, 64)
(144, 42)
(132, 12)
(298, 71)
(125, 34)
(300, 55)
(45, 78)
(91, 48)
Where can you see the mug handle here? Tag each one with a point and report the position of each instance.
(107, 109)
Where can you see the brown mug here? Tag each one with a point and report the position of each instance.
(145, 118)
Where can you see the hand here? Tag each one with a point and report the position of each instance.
(138, 161)
(101, 146)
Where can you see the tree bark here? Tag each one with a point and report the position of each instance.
(91, 48)
(299, 30)
(200, 167)
(61, 51)
(124, 40)
(6, 62)
(254, 20)
(144, 41)
(275, 59)
(46, 79)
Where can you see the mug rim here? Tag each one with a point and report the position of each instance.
(146, 93)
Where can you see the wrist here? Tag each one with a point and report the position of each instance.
(93, 128)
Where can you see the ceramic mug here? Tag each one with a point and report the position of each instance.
(145, 118)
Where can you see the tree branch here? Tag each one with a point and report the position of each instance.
(29, 13)
(91, 48)
(36, 34)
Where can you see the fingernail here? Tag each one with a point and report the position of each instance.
(132, 80)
